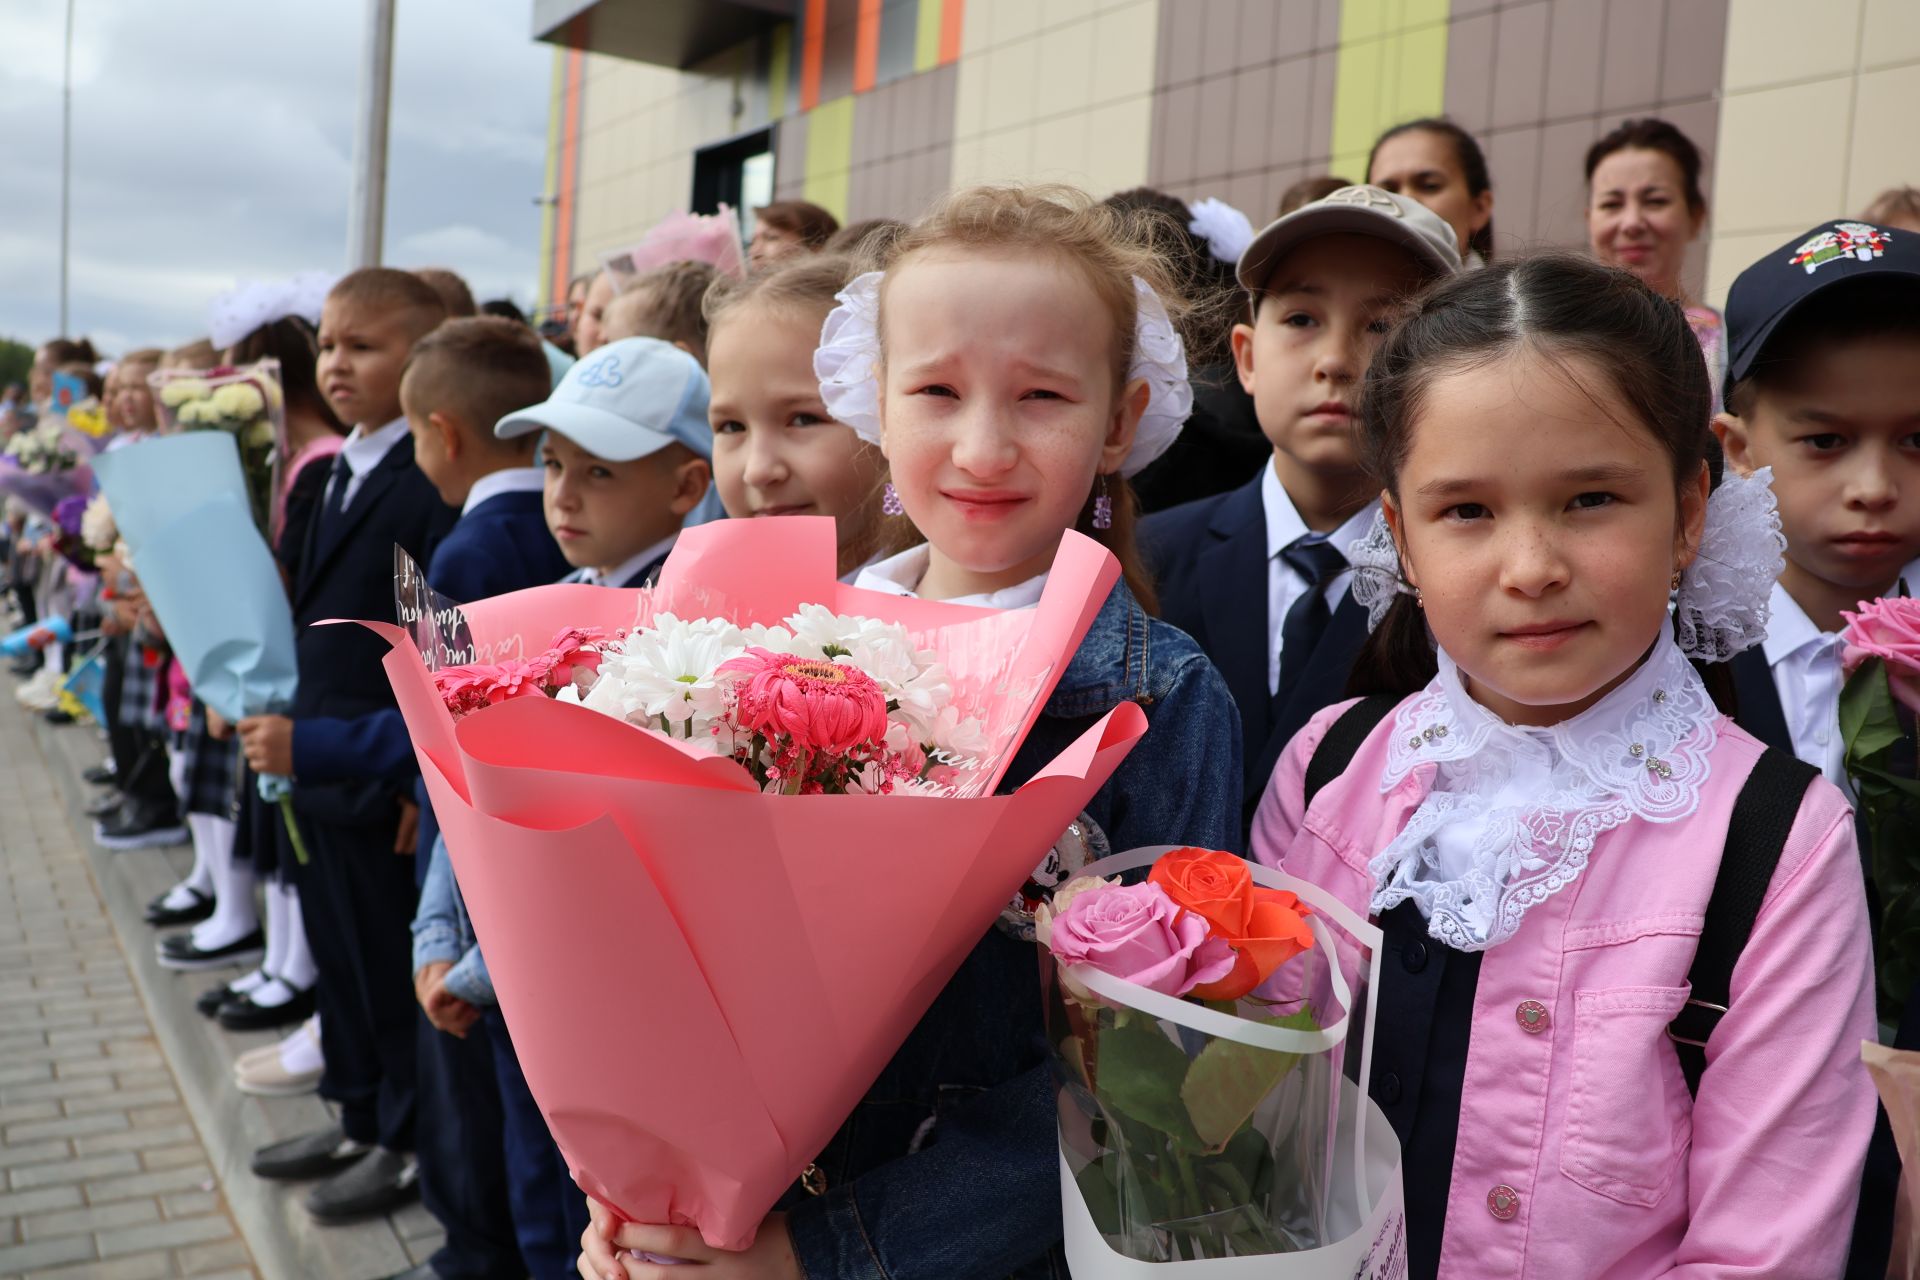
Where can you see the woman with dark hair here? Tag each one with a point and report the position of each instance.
(787, 227)
(1221, 445)
(1436, 162)
(1644, 207)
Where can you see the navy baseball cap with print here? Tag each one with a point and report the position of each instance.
(1833, 253)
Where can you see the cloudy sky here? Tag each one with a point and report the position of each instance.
(213, 141)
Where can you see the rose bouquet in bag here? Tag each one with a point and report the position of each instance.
(1201, 1022)
(724, 839)
(246, 403)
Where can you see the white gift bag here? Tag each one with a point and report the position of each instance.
(1327, 1202)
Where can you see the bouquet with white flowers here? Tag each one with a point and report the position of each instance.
(44, 464)
(246, 403)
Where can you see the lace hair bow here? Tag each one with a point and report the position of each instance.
(1722, 605)
(847, 362)
(235, 314)
(1225, 229)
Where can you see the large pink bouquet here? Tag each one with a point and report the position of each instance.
(704, 971)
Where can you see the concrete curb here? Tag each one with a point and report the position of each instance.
(285, 1242)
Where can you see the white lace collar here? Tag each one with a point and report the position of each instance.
(1514, 811)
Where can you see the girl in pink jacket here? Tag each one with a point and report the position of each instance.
(1538, 824)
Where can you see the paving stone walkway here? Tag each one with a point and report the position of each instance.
(102, 1172)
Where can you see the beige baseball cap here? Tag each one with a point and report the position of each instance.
(1359, 210)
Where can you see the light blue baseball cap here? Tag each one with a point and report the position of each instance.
(629, 399)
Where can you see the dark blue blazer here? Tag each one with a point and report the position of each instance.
(1209, 561)
(345, 570)
(501, 545)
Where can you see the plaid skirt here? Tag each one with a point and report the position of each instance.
(143, 688)
(210, 768)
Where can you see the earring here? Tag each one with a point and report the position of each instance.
(1419, 601)
(1674, 583)
(890, 504)
(1102, 505)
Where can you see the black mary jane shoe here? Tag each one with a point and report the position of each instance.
(241, 1014)
(160, 915)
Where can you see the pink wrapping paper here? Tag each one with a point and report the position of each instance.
(702, 980)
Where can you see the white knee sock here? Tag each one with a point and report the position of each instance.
(200, 879)
(234, 914)
(296, 967)
(276, 927)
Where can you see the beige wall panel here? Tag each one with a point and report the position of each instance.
(1891, 34)
(1733, 254)
(1773, 41)
(1779, 163)
(1884, 151)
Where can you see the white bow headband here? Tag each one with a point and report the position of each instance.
(848, 358)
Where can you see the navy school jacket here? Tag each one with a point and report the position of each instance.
(501, 545)
(1209, 560)
(345, 570)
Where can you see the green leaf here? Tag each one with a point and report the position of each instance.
(1228, 1080)
(1103, 1202)
(1140, 1075)
(1869, 720)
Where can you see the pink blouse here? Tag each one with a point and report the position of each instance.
(1580, 1154)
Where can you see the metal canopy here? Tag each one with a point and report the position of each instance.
(668, 33)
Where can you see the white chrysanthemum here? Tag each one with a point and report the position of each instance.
(667, 675)
(240, 401)
(182, 390)
(97, 529)
(959, 739)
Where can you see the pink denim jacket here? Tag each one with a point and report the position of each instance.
(1603, 1165)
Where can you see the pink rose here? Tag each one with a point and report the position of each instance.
(817, 705)
(1887, 629)
(1138, 933)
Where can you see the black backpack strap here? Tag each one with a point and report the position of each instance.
(1344, 736)
(1763, 816)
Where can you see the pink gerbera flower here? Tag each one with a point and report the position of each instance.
(817, 705)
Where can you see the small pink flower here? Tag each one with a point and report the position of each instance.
(818, 706)
(1887, 629)
(517, 678)
(574, 657)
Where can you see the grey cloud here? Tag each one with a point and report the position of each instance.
(212, 141)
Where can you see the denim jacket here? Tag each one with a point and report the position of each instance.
(442, 931)
(948, 1168)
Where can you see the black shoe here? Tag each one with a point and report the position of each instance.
(319, 1154)
(24, 667)
(208, 1002)
(136, 826)
(57, 715)
(178, 952)
(102, 775)
(106, 806)
(379, 1182)
(160, 915)
(242, 1014)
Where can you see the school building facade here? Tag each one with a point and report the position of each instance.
(1803, 108)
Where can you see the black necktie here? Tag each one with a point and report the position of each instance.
(1317, 561)
(337, 483)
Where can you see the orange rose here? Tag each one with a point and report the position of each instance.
(1265, 927)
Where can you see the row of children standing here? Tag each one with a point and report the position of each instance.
(1536, 433)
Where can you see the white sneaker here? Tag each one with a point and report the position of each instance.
(40, 691)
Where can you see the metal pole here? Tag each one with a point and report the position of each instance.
(366, 217)
(66, 164)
